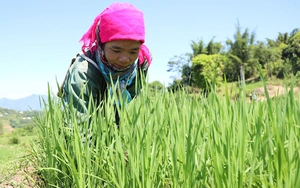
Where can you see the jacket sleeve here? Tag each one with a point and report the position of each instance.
(82, 87)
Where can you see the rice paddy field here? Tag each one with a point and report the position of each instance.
(14, 158)
(173, 140)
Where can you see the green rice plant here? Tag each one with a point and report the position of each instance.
(172, 140)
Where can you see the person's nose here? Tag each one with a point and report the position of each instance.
(124, 58)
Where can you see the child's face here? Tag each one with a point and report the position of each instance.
(122, 53)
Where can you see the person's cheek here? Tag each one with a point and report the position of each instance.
(134, 57)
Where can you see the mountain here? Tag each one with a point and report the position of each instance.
(32, 102)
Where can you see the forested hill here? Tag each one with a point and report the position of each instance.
(16, 119)
(242, 58)
(32, 102)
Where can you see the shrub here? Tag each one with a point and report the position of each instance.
(14, 140)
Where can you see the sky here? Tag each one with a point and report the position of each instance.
(38, 38)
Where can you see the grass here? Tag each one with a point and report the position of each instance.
(165, 140)
(10, 151)
(251, 87)
(13, 156)
(173, 140)
(235, 91)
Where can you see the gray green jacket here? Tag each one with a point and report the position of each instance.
(84, 80)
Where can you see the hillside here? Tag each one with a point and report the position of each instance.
(16, 132)
(11, 119)
(32, 102)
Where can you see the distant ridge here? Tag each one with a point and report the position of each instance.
(32, 102)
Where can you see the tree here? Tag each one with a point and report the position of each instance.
(240, 50)
(209, 49)
(198, 48)
(282, 38)
(240, 46)
(28, 128)
(186, 75)
(291, 53)
(232, 68)
(156, 85)
(269, 57)
(176, 63)
(175, 86)
(207, 69)
(213, 47)
(13, 123)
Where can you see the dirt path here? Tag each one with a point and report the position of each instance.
(273, 91)
(20, 179)
(6, 127)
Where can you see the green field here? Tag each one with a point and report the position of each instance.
(13, 158)
(164, 140)
(175, 140)
(14, 147)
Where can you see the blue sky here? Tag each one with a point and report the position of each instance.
(38, 38)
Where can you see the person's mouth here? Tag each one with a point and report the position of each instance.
(121, 66)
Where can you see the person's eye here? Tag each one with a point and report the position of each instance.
(115, 50)
(133, 53)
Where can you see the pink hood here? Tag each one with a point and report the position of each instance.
(119, 21)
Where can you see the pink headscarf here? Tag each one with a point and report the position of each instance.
(119, 21)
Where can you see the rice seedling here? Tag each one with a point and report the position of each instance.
(172, 140)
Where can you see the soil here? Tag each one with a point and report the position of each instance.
(21, 179)
(7, 127)
(273, 91)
